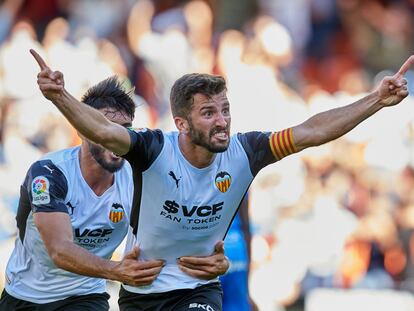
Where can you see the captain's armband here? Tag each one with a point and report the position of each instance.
(282, 143)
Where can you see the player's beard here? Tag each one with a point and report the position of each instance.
(97, 153)
(200, 139)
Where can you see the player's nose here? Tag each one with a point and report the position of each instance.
(221, 120)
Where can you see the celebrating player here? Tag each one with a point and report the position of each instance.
(190, 183)
(74, 211)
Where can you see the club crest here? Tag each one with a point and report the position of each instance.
(223, 181)
(117, 213)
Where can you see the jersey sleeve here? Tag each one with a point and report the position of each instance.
(146, 145)
(46, 187)
(264, 148)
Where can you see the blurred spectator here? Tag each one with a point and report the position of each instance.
(170, 54)
(8, 12)
(4, 109)
(40, 12)
(380, 32)
(340, 216)
(234, 14)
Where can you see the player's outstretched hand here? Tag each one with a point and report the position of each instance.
(206, 268)
(393, 89)
(137, 273)
(51, 83)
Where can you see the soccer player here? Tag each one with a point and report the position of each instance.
(74, 211)
(189, 184)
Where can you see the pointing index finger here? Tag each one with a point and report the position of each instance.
(408, 63)
(39, 60)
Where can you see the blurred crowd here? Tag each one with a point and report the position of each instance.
(336, 216)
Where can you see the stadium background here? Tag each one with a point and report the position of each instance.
(333, 226)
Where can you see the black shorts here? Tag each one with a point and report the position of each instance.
(92, 302)
(207, 297)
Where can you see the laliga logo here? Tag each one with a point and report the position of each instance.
(223, 181)
(40, 185)
(40, 190)
(117, 213)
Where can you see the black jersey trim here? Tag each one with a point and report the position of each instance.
(58, 188)
(145, 148)
(237, 209)
(23, 212)
(136, 201)
(257, 147)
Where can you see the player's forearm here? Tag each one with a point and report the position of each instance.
(71, 257)
(92, 124)
(331, 124)
(88, 121)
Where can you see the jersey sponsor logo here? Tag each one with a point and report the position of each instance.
(40, 190)
(223, 181)
(200, 211)
(117, 213)
(195, 217)
(93, 238)
(69, 205)
(49, 169)
(171, 173)
(92, 232)
(201, 306)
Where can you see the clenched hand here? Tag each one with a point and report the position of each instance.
(137, 273)
(206, 268)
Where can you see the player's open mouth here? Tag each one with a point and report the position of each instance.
(221, 135)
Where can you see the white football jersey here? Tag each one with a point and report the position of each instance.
(180, 210)
(55, 184)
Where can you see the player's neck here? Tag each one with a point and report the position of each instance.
(98, 179)
(198, 156)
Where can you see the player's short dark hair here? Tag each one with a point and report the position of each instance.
(184, 89)
(110, 93)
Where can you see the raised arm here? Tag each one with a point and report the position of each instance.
(88, 121)
(56, 231)
(331, 124)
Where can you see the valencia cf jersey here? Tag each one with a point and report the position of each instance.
(180, 210)
(55, 184)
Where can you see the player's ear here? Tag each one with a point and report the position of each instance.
(182, 125)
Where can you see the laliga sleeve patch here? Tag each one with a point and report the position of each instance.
(40, 190)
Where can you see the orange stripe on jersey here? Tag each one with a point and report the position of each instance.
(282, 143)
(274, 147)
(271, 145)
(291, 141)
(286, 143)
